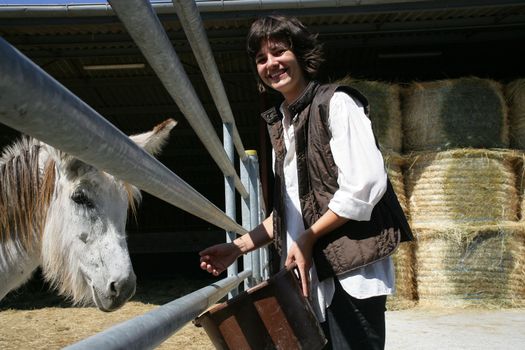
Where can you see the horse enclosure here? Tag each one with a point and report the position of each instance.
(52, 114)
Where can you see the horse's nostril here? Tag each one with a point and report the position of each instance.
(113, 288)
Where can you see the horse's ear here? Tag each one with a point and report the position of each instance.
(68, 165)
(153, 141)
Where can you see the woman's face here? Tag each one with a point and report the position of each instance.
(279, 69)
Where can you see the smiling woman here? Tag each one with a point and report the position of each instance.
(333, 201)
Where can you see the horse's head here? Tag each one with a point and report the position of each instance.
(84, 250)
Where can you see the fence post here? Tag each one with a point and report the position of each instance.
(246, 217)
(254, 212)
(229, 197)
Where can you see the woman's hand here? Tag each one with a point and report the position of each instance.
(217, 258)
(301, 253)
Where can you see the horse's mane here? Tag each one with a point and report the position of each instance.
(25, 192)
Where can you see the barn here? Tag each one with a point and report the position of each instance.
(396, 42)
(88, 50)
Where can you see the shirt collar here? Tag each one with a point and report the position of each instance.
(304, 99)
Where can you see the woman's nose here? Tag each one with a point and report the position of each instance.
(271, 60)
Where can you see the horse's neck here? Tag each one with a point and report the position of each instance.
(20, 176)
(16, 265)
(22, 200)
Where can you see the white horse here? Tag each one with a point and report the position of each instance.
(69, 218)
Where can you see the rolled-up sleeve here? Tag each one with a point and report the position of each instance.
(361, 172)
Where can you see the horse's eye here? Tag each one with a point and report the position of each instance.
(83, 237)
(81, 198)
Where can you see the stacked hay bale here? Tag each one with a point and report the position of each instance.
(469, 265)
(448, 114)
(385, 111)
(462, 186)
(462, 194)
(385, 114)
(515, 94)
(404, 258)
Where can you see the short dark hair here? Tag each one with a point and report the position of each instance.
(296, 37)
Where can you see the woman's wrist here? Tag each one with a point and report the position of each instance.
(241, 245)
(309, 237)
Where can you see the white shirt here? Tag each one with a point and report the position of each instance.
(362, 182)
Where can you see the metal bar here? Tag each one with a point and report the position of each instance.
(151, 329)
(254, 211)
(229, 197)
(246, 217)
(143, 25)
(33, 102)
(230, 8)
(194, 28)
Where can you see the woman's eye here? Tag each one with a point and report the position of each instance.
(260, 60)
(81, 198)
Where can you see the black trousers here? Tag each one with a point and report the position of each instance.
(354, 324)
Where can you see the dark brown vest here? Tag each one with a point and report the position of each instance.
(356, 243)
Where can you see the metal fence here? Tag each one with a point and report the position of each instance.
(34, 103)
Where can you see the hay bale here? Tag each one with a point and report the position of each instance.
(394, 164)
(471, 266)
(515, 95)
(385, 110)
(462, 186)
(405, 296)
(520, 183)
(447, 114)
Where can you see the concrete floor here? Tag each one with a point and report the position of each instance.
(420, 329)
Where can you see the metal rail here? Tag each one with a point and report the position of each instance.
(194, 28)
(144, 26)
(151, 329)
(33, 102)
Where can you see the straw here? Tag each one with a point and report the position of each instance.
(471, 266)
(385, 111)
(462, 186)
(447, 114)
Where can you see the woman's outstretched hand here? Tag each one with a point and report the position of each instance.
(217, 258)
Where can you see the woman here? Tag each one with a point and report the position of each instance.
(335, 213)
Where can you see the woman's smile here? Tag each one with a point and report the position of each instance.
(277, 74)
(279, 69)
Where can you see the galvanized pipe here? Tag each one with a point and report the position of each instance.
(246, 216)
(194, 28)
(33, 102)
(151, 329)
(143, 25)
(229, 197)
(250, 6)
(254, 211)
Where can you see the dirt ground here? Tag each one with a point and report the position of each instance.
(38, 319)
(33, 317)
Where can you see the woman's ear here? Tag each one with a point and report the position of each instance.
(260, 86)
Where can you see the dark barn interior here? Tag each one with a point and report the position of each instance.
(395, 41)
